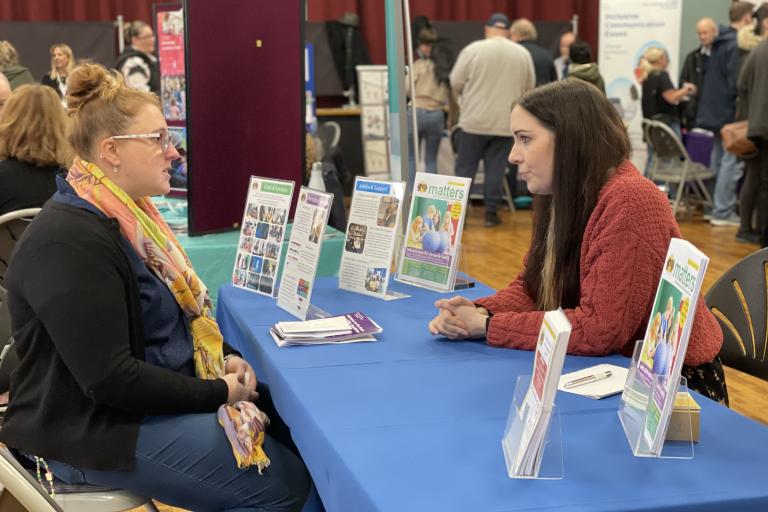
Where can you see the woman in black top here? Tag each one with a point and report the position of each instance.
(62, 63)
(33, 147)
(124, 379)
(660, 98)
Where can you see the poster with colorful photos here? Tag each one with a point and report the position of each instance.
(303, 254)
(261, 234)
(170, 47)
(374, 216)
(433, 233)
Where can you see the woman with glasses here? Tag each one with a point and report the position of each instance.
(62, 64)
(124, 379)
(137, 63)
(33, 147)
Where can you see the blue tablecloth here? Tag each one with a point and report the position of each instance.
(413, 422)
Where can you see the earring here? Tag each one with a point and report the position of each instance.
(101, 156)
(115, 169)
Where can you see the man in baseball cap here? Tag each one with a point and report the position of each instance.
(498, 20)
(489, 75)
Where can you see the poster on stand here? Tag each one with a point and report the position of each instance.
(430, 251)
(374, 122)
(627, 29)
(374, 216)
(170, 46)
(298, 279)
(261, 234)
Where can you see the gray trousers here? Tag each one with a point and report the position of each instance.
(494, 151)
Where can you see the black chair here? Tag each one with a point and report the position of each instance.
(12, 225)
(739, 301)
(673, 165)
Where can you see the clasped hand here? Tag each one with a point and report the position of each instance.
(241, 381)
(458, 318)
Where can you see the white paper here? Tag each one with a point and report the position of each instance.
(598, 389)
(298, 279)
(374, 217)
(261, 234)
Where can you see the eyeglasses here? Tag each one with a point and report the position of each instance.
(164, 138)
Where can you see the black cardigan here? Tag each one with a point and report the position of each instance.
(82, 386)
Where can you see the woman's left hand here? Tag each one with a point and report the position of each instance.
(463, 312)
(240, 366)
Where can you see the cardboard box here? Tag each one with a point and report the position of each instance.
(685, 420)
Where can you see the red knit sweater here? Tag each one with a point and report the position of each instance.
(622, 255)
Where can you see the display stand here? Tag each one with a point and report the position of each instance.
(550, 459)
(633, 414)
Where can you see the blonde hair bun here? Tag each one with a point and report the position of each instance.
(89, 82)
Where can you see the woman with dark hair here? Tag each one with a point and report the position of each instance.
(601, 232)
(430, 97)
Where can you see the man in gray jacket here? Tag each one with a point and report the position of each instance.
(489, 75)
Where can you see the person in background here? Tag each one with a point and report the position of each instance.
(124, 379)
(660, 97)
(753, 107)
(488, 77)
(430, 99)
(16, 74)
(137, 63)
(562, 61)
(717, 107)
(582, 67)
(62, 64)
(524, 33)
(694, 67)
(594, 216)
(5, 92)
(33, 147)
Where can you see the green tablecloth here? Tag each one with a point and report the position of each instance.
(213, 256)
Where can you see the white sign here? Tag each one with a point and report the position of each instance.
(627, 29)
(371, 233)
(374, 123)
(261, 234)
(303, 254)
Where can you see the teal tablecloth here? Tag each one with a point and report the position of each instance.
(213, 256)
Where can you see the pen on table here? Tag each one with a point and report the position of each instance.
(587, 379)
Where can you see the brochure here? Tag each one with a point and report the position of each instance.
(431, 249)
(523, 453)
(374, 118)
(666, 338)
(303, 254)
(261, 234)
(371, 233)
(346, 328)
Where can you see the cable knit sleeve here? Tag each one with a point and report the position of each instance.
(622, 256)
(514, 297)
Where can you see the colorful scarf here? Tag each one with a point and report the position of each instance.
(153, 240)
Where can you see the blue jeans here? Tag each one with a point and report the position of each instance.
(429, 126)
(186, 461)
(729, 170)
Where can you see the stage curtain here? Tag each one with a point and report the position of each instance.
(371, 14)
(76, 10)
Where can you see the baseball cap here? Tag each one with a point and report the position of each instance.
(498, 20)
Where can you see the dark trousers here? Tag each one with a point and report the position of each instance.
(493, 150)
(186, 461)
(753, 199)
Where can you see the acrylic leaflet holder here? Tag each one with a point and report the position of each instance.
(548, 460)
(634, 415)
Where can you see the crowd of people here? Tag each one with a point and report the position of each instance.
(124, 377)
(476, 89)
(720, 83)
